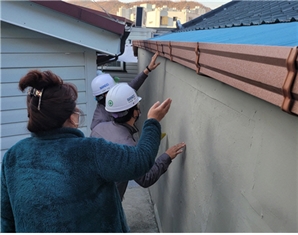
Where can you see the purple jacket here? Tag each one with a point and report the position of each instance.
(124, 134)
(101, 115)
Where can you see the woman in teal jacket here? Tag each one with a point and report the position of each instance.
(60, 181)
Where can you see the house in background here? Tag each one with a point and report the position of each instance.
(69, 40)
(153, 16)
(232, 76)
(126, 66)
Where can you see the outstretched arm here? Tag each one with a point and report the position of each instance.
(130, 162)
(152, 64)
(138, 81)
(160, 166)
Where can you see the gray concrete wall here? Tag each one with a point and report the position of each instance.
(239, 170)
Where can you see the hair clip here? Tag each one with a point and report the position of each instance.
(38, 93)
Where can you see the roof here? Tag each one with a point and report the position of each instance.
(242, 22)
(99, 19)
(245, 13)
(267, 34)
(249, 45)
(102, 32)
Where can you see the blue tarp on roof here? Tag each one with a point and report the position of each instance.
(280, 34)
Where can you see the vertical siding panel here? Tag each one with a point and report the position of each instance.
(132, 71)
(20, 53)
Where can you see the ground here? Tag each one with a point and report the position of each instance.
(139, 210)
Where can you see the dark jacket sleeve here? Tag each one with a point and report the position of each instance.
(160, 167)
(138, 81)
(7, 219)
(129, 162)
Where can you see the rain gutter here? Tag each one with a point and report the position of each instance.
(103, 59)
(266, 72)
(95, 18)
(109, 22)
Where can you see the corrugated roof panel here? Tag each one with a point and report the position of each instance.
(282, 34)
(251, 12)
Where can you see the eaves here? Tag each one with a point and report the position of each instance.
(266, 72)
(75, 24)
(109, 22)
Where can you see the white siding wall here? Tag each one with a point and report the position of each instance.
(131, 72)
(23, 50)
(140, 33)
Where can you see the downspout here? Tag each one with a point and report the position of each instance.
(111, 58)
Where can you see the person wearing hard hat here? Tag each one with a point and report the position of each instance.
(122, 103)
(102, 83)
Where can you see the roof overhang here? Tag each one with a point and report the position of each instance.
(267, 72)
(67, 22)
(109, 22)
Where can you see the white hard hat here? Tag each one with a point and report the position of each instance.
(121, 97)
(102, 83)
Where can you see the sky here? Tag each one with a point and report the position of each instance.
(208, 3)
(213, 4)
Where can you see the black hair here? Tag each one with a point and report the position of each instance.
(127, 117)
(101, 99)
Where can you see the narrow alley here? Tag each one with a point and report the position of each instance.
(139, 210)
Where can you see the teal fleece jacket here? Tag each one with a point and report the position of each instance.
(61, 181)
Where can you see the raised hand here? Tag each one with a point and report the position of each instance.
(159, 110)
(153, 63)
(175, 150)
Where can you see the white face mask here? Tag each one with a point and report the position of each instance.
(78, 117)
(78, 122)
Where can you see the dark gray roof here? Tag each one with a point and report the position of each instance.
(245, 13)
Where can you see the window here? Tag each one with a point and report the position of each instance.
(164, 20)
